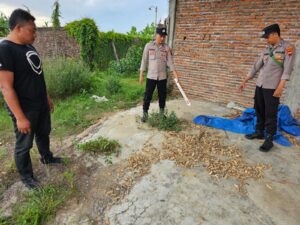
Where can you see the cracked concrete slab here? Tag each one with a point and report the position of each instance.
(173, 195)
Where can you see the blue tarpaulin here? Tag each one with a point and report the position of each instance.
(245, 124)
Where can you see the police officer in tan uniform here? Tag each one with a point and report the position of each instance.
(157, 58)
(274, 68)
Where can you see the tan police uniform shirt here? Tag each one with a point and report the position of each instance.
(270, 73)
(157, 58)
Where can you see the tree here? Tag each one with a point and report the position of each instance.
(56, 14)
(133, 31)
(4, 28)
(148, 31)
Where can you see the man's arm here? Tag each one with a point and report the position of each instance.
(11, 99)
(144, 64)
(50, 103)
(288, 66)
(170, 63)
(255, 68)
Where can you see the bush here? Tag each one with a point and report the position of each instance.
(113, 85)
(169, 122)
(101, 145)
(65, 77)
(131, 63)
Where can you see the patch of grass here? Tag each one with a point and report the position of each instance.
(66, 76)
(39, 205)
(69, 176)
(5, 221)
(3, 152)
(101, 145)
(165, 121)
(10, 165)
(113, 85)
(6, 130)
(108, 160)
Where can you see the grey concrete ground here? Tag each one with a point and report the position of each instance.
(173, 195)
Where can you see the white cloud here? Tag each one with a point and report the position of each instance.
(40, 18)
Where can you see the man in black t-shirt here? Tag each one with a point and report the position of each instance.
(23, 86)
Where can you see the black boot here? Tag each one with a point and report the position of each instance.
(52, 160)
(144, 117)
(257, 135)
(268, 144)
(31, 183)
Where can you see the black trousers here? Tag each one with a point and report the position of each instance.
(40, 130)
(266, 108)
(162, 93)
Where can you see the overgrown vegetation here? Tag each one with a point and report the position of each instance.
(113, 85)
(85, 31)
(98, 49)
(131, 63)
(165, 121)
(101, 145)
(66, 76)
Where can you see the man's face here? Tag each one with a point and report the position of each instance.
(160, 38)
(272, 38)
(26, 32)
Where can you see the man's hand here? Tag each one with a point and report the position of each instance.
(175, 74)
(242, 86)
(289, 50)
(51, 105)
(141, 77)
(278, 92)
(23, 125)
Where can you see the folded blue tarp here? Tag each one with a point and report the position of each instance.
(245, 124)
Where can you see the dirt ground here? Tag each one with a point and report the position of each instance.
(197, 176)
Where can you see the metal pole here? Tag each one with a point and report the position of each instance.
(155, 22)
(156, 16)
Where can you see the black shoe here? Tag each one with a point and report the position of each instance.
(52, 160)
(31, 183)
(256, 135)
(267, 145)
(144, 117)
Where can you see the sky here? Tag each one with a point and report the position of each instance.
(117, 15)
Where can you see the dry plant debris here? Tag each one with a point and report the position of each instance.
(203, 149)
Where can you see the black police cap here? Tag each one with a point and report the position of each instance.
(161, 30)
(270, 29)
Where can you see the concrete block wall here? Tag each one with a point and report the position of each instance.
(56, 42)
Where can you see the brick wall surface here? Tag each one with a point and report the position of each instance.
(217, 41)
(56, 42)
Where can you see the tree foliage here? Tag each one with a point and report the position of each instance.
(56, 14)
(147, 33)
(4, 28)
(86, 33)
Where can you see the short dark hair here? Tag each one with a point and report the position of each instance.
(19, 16)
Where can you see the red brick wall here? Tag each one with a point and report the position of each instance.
(217, 41)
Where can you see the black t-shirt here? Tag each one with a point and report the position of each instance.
(29, 82)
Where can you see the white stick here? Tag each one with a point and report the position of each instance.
(187, 101)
